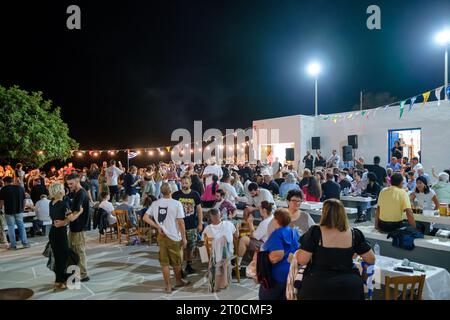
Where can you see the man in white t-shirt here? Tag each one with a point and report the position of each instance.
(257, 196)
(210, 171)
(230, 192)
(112, 175)
(42, 210)
(256, 238)
(415, 165)
(108, 207)
(167, 215)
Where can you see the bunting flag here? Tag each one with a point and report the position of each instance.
(447, 92)
(402, 108)
(385, 108)
(367, 115)
(375, 112)
(411, 103)
(425, 95)
(132, 155)
(363, 113)
(437, 93)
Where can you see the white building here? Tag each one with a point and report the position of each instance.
(424, 129)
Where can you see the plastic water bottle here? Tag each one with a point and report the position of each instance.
(376, 249)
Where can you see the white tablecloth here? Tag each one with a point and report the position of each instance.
(437, 281)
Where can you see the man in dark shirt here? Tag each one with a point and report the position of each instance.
(344, 183)
(246, 173)
(330, 188)
(193, 218)
(270, 184)
(130, 183)
(38, 190)
(77, 239)
(12, 199)
(379, 171)
(308, 160)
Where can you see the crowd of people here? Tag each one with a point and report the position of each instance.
(190, 204)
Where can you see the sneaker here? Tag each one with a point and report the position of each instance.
(189, 269)
(85, 279)
(26, 246)
(12, 248)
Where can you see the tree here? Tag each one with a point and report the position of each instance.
(31, 131)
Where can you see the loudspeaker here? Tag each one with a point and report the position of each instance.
(289, 154)
(315, 143)
(347, 153)
(353, 141)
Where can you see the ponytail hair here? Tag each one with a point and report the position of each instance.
(214, 184)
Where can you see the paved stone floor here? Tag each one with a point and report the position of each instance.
(117, 272)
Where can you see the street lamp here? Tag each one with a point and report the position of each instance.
(314, 70)
(443, 39)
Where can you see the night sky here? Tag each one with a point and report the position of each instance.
(140, 69)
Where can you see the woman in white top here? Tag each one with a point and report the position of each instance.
(108, 207)
(424, 196)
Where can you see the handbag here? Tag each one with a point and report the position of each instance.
(47, 251)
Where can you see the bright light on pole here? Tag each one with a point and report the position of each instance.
(443, 39)
(314, 70)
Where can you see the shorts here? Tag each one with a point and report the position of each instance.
(169, 251)
(254, 245)
(191, 237)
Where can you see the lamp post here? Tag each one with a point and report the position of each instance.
(443, 38)
(314, 70)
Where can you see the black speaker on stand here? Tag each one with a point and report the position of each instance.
(315, 143)
(289, 154)
(347, 153)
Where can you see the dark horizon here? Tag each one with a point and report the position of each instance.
(135, 72)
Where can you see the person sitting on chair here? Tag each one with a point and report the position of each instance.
(253, 242)
(125, 206)
(221, 233)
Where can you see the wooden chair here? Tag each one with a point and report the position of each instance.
(123, 224)
(109, 230)
(406, 281)
(208, 244)
(145, 230)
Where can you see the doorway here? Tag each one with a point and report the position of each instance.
(410, 139)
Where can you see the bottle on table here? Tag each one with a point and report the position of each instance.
(376, 249)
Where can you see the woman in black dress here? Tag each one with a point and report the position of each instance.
(61, 216)
(328, 251)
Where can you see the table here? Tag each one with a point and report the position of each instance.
(437, 280)
(313, 206)
(431, 216)
(357, 199)
(429, 250)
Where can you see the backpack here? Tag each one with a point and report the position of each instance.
(404, 237)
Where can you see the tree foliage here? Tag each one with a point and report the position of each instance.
(31, 131)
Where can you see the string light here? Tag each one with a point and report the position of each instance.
(95, 154)
(150, 153)
(80, 154)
